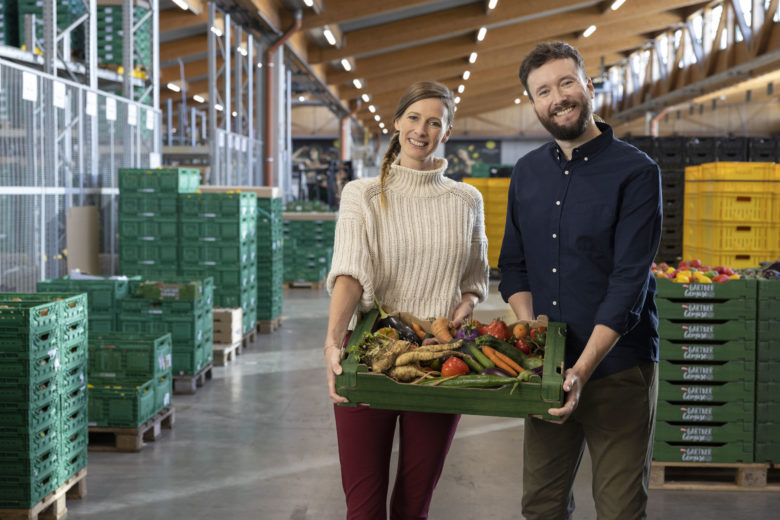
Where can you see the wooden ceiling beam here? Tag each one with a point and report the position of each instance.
(341, 11)
(192, 69)
(175, 19)
(171, 50)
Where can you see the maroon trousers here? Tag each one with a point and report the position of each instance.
(365, 439)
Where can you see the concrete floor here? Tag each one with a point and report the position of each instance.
(258, 442)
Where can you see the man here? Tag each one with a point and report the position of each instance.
(583, 225)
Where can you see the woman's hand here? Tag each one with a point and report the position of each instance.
(464, 310)
(333, 368)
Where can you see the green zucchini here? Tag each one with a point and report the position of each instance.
(473, 364)
(479, 356)
(472, 381)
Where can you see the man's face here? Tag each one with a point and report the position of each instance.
(561, 99)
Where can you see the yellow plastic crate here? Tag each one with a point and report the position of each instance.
(691, 205)
(734, 259)
(734, 186)
(692, 173)
(739, 171)
(776, 208)
(727, 236)
(480, 183)
(734, 206)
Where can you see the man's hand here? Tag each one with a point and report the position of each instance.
(572, 385)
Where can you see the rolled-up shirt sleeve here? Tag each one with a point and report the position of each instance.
(637, 236)
(511, 259)
(476, 275)
(351, 253)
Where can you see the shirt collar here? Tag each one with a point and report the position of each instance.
(589, 149)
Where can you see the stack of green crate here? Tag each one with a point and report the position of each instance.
(149, 219)
(67, 13)
(43, 405)
(768, 372)
(218, 238)
(110, 36)
(9, 29)
(180, 306)
(308, 246)
(706, 393)
(130, 378)
(270, 258)
(103, 295)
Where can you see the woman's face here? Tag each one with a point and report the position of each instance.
(421, 128)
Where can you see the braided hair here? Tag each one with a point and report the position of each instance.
(416, 92)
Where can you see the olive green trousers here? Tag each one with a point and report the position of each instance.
(616, 419)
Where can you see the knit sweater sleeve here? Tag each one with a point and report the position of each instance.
(476, 276)
(351, 251)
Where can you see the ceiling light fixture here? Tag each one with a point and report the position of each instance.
(365, 98)
(590, 30)
(461, 88)
(184, 6)
(234, 114)
(481, 34)
(259, 65)
(472, 57)
(492, 4)
(384, 130)
(357, 83)
(616, 4)
(371, 108)
(376, 117)
(381, 125)
(525, 92)
(328, 34)
(517, 101)
(346, 64)
(219, 107)
(199, 98)
(216, 30)
(457, 99)
(173, 86)
(466, 75)
(301, 98)
(242, 51)
(308, 3)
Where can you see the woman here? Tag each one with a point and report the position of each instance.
(415, 240)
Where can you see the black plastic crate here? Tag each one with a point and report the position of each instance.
(646, 143)
(671, 152)
(702, 150)
(763, 149)
(732, 149)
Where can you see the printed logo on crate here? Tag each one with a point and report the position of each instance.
(698, 331)
(697, 393)
(697, 433)
(696, 454)
(699, 290)
(698, 310)
(697, 413)
(698, 373)
(698, 352)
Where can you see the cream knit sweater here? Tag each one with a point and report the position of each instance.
(422, 251)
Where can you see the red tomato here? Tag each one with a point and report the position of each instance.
(498, 329)
(523, 346)
(695, 263)
(454, 367)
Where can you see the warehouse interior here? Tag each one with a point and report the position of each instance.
(168, 204)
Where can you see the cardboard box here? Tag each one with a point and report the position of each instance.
(227, 325)
(377, 390)
(82, 232)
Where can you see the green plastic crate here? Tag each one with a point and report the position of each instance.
(178, 289)
(709, 412)
(137, 254)
(115, 406)
(22, 466)
(217, 230)
(29, 318)
(737, 370)
(767, 411)
(159, 181)
(220, 205)
(68, 306)
(29, 365)
(707, 331)
(25, 492)
(718, 433)
(184, 329)
(188, 361)
(24, 441)
(227, 279)
(706, 310)
(148, 229)
(723, 351)
(122, 355)
(163, 391)
(706, 392)
(72, 465)
(707, 291)
(767, 351)
(101, 294)
(30, 415)
(205, 256)
(378, 391)
(768, 450)
(767, 392)
(72, 400)
(710, 452)
(16, 389)
(768, 289)
(72, 378)
(73, 422)
(147, 205)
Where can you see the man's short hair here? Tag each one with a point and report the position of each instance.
(545, 52)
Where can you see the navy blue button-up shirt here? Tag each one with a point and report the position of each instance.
(581, 236)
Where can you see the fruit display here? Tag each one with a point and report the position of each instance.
(694, 271)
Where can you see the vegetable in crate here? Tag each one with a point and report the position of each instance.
(454, 367)
(442, 329)
(469, 331)
(405, 332)
(495, 328)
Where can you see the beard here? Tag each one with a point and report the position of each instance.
(572, 132)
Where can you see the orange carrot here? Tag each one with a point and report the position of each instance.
(509, 361)
(491, 353)
(441, 329)
(418, 330)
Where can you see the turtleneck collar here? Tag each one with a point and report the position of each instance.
(417, 183)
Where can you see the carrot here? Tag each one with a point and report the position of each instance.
(491, 354)
(509, 361)
(418, 330)
(441, 329)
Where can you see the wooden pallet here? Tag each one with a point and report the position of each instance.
(131, 439)
(189, 384)
(52, 506)
(269, 326)
(226, 353)
(248, 338)
(305, 285)
(713, 476)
